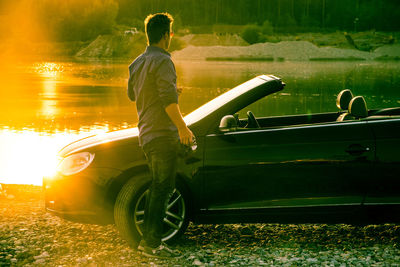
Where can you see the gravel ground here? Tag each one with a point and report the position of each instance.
(30, 236)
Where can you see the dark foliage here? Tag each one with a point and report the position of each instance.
(287, 15)
(251, 34)
(76, 20)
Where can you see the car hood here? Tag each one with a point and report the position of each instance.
(98, 139)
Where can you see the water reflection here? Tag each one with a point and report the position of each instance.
(48, 69)
(49, 103)
(46, 105)
(53, 96)
(50, 72)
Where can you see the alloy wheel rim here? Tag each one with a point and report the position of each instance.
(173, 219)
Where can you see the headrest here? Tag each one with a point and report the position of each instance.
(358, 107)
(343, 99)
(227, 123)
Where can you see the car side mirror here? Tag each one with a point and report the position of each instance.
(228, 123)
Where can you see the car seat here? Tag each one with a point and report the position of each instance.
(357, 109)
(342, 102)
(343, 99)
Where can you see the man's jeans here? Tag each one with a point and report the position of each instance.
(161, 154)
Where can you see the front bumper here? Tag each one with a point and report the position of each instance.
(80, 197)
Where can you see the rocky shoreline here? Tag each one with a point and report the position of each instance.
(32, 237)
(286, 50)
(370, 45)
(231, 47)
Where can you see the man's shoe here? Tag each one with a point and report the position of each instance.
(161, 252)
(142, 245)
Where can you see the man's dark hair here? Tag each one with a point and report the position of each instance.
(156, 25)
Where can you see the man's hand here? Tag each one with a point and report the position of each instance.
(186, 136)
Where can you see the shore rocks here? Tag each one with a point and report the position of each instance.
(32, 237)
(285, 50)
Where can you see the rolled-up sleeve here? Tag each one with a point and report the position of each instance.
(166, 82)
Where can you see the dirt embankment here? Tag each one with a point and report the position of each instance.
(285, 50)
(299, 47)
(302, 47)
(30, 236)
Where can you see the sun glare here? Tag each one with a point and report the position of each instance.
(49, 73)
(26, 156)
(49, 69)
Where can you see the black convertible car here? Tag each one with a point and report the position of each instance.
(336, 167)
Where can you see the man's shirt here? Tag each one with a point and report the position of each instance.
(152, 84)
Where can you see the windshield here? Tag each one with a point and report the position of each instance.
(216, 103)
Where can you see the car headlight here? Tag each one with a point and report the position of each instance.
(75, 163)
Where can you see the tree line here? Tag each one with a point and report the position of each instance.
(78, 20)
(302, 15)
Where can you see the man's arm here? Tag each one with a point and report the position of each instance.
(166, 85)
(131, 93)
(174, 113)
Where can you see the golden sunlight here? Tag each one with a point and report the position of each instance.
(49, 69)
(26, 156)
(49, 72)
(49, 104)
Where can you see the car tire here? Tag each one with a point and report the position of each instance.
(129, 211)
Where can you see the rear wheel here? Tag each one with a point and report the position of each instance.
(129, 211)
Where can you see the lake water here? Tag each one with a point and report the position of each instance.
(45, 105)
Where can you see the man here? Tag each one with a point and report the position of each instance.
(152, 84)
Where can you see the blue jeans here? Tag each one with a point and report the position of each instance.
(162, 155)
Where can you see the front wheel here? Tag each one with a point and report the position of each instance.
(129, 211)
